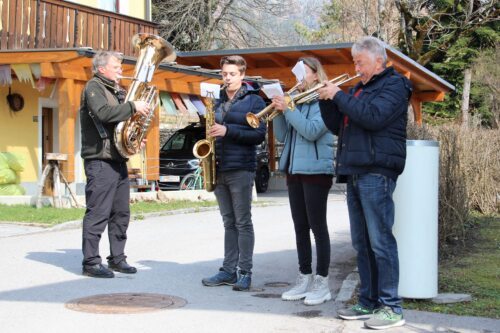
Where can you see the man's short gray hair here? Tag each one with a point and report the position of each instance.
(372, 45)
(101, 59)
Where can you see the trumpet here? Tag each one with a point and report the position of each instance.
(312, 94)
(269, 112)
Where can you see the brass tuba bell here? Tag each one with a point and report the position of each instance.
(130, 133)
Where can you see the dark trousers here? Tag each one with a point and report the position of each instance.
(308, 201)
(234, 196)
(107, 195)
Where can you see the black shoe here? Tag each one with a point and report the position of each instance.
(97, 271)
(122, 267)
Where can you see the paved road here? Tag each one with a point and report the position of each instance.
(41, 272)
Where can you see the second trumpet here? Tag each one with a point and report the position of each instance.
(269, 112)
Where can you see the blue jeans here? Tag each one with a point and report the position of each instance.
(371, 215)
(234, 196)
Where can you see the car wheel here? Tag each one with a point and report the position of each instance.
(262, 180)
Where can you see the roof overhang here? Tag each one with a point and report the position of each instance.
(265, 65)
(277, 63)
(76, 64)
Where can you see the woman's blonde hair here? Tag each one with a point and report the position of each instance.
(316, 67)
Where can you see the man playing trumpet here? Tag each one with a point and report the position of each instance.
(370, 122)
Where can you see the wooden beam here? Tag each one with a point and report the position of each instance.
(417, 109)
(418, 76)
(435, 96)
(322, 59)
(68, 103)
(30, 57)
(346, 55)
(182, 87)
(279, 60)
(272, 146)
(65, 71)
(153, 148)
(81, 62)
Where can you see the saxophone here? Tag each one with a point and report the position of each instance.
(130, 133)
(205, 149)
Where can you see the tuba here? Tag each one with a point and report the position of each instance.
(205, 149)
(129, 134)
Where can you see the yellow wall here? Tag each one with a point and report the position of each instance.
(134, 8)
(18, 131)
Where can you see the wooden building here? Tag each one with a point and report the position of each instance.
(46, 48)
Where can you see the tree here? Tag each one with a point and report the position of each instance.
(487, 88)
(430, 27)
(208, 24)
(347, 20)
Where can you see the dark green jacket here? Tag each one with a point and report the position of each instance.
(101, 97)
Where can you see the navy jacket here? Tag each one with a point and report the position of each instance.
(236, 150)
(374, 138)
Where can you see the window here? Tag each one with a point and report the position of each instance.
(110, 5)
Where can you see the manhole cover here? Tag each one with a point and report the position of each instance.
(277, 284)
(125, 303)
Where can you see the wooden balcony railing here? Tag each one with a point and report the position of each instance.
(45, 24)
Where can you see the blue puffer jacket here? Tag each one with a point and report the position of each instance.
(236, 150)
(374, 139)
(308, 143)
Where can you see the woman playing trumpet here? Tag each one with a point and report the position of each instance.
(307, 160)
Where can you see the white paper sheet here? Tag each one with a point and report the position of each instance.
(299, 70)
(271, 90)
(212, 88)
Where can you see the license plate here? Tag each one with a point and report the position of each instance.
(170, 179)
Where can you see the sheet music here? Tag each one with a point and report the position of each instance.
(299, 70)
(210, 87)
(273, 89)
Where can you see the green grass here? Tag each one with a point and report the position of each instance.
(49, 216)
(473, 270)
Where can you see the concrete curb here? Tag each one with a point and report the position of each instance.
(348, 288)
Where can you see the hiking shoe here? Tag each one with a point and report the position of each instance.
(298, 291)
(244, 281)
(385, 318)
(358, 311)
(320, 291)
(97, 271)
(219, 279)
(122, 267)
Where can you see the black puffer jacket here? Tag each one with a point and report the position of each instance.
(374, 138)
(102, 97)
(236, 150)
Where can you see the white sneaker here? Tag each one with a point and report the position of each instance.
(320, 291)
(298, 291)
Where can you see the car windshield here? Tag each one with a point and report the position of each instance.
(183, 140)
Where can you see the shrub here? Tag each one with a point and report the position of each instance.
(469, 177)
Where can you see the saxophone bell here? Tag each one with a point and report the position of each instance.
(204, 149)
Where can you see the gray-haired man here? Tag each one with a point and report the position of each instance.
(107, 191)
(370, 122)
